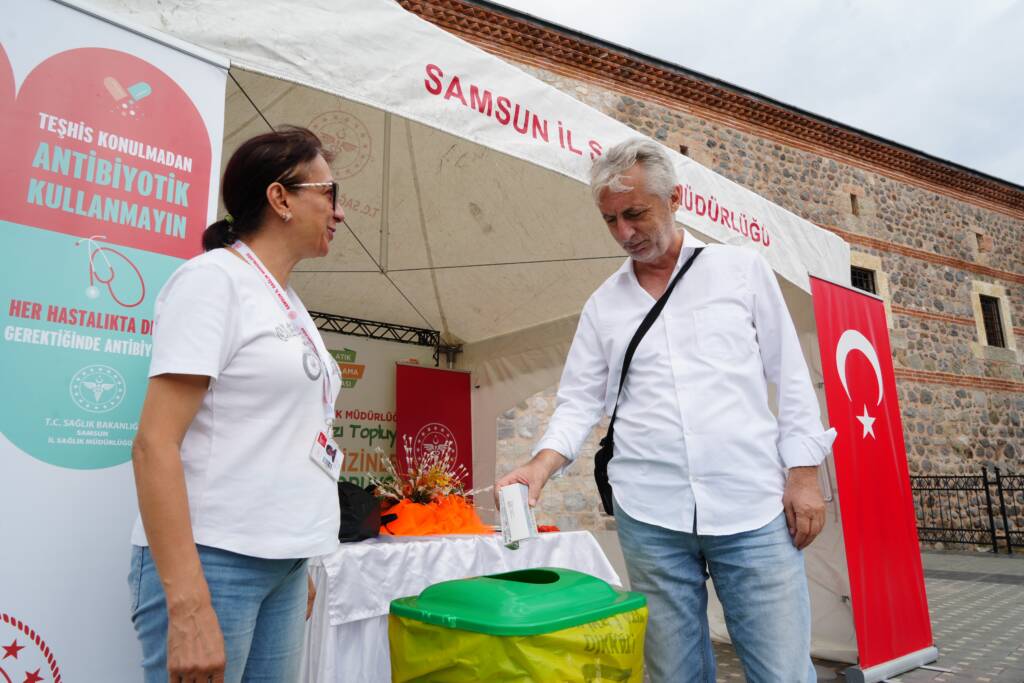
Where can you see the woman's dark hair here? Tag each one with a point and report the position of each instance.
(258, 162)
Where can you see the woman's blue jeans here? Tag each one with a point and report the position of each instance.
(759, 578)
(260, 604)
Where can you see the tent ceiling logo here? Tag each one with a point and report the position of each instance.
(347, 137)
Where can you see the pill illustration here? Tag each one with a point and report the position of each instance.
(139, 90)
(114, 88)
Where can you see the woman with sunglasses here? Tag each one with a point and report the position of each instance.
(234, 463)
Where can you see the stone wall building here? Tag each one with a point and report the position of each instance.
(941, 243)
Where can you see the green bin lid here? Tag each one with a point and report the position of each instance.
(520, 603)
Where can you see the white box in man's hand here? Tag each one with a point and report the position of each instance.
(517, 521)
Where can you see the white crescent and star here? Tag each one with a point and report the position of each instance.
(850, 341)
(868, 422)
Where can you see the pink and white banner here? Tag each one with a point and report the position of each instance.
(111, 145)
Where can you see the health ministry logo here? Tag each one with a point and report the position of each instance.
(26, 656)
(435, 440)
(98, 388)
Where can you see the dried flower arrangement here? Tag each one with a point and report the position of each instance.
(424, 478)
(428, 493)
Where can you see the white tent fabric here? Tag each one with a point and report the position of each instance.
(464, 180)
(443, 187)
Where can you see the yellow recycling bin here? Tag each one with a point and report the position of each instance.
(539, 625)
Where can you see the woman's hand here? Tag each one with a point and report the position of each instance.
(195, 645)
(310, 596)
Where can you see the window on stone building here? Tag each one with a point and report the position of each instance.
(993, 323)
(984, 242)
(854, 206)
(684, 150)
(863, 278)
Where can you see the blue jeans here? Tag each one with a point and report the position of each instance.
(760, 581)
(260, 604)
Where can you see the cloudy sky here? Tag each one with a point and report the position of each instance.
(943, 77)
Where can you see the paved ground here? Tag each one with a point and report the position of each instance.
(977, 607)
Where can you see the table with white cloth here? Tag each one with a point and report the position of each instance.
(347, 636)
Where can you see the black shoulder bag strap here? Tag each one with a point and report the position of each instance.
(604, 454)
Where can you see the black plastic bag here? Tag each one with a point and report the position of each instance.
(360, 513)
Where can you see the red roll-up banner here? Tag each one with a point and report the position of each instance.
(433, 414)
(890, 608)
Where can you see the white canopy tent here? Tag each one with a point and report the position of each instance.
(465, 185)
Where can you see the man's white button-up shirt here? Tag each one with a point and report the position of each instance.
(694, 434)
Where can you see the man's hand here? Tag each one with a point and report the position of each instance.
(195, 645)
(804, 505)
(310, 596)
(533, 474)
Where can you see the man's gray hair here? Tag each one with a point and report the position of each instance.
(607, 170)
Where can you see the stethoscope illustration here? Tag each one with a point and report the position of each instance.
(92, 291)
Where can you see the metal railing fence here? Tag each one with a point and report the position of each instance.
(971, 509)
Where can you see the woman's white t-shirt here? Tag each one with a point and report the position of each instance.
(252, 487)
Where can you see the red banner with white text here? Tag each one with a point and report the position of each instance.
(434, 415)
(890, 608)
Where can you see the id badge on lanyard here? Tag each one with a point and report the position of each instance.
(324, 452)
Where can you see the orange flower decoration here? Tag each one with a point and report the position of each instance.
(444, 515)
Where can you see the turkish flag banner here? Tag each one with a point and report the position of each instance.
(434, 415)
(890, 608)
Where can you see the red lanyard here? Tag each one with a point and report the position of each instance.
(296, 318)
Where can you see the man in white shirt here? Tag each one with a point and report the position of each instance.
(706, 479)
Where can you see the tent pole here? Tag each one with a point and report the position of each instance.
(385, 194)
